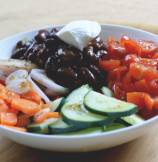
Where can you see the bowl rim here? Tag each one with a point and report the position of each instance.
(61, 25)
(58, 136)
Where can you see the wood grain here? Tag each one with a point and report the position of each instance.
(19, 15)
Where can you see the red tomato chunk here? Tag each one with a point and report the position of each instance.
(132, 68)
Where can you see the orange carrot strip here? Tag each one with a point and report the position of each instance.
(47, 105)
(53, 115)
(3, 106)
(25, 106)
(32, 95)
(11, 96)
(8, 119)
(45, 115)
(3, 92)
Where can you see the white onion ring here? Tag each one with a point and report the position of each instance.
(38, 90)
(40, 76)
(19, 86)
(18, 74)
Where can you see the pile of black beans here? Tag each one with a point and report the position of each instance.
(63, 63)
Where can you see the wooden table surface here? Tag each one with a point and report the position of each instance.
(18, 15)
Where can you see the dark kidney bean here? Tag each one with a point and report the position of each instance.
(42, 55)
(20, 44)
(87, 76)
(66, 76)
(18, 53)
(41, 36)
(98, 44)
(63, 63)
(99, 75)
(54, 43)
(90, 55)
(68, 56)
(23, 44)
(50, 67)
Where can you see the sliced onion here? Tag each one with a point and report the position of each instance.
(19, 86)
(38, 90)
(40, 76)
(18, 74)
(10, 65)
(50, 93)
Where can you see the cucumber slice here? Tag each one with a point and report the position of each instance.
(78, 116)
(78, 94)
(132, 119)
(41, 128)
(106, 91)
(113, 126)
(101, 104)
(57, 104)
(74, 112)
(61, 127)
(93, 130)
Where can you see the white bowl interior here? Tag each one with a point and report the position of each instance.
(80, 143)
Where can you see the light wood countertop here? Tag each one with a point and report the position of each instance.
(20, 15)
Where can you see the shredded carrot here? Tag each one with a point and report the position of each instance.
(26, 106)
(11, 96)
(45, 115)
(3, 106)
(2, 92)
(8, 119)
(47, 105)
(32, 95)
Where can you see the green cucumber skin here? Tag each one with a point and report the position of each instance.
(60, 105)
(86, 131)
(86, 124)
(68, 98)
(38, 130)
(61, 127)
(41, 128)
(62, 130)
(119, 120)
(130, 122)
(114, 114)
(77, 96)
(113, 126)
(57, 104)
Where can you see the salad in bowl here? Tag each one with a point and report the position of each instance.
(78, 80)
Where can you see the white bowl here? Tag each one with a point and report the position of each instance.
(79, 143)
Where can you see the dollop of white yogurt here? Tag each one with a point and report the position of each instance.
(79, 33)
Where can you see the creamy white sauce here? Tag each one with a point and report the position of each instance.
(79, 33)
